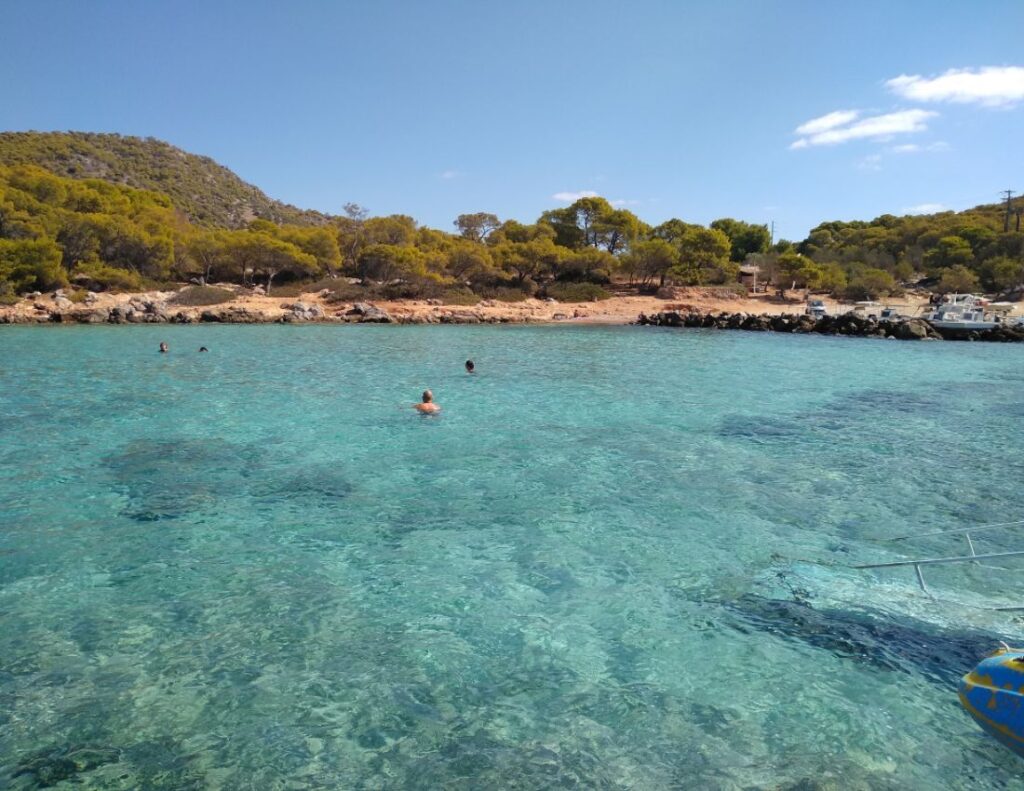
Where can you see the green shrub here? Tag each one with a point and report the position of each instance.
(298, 287)
(459, 296)
(871, 283)
(149, 284)
(411, 290)
(958, 279)
(31, 264)
(429, 287)
(194, 296)
(95, 276)
(576, 292)
(502, 293)
(343, 291)
(7, 295)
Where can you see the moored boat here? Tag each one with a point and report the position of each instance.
(893, 313)
(961, 314)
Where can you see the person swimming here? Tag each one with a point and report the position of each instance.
(427, 405)
(163, 347)
(203, 349)
(470, 368)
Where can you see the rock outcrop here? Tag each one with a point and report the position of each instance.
(303, 311)
(846, 324)
(369, 314)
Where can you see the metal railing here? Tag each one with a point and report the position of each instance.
(973, 557)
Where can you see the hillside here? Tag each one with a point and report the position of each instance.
(112, 212)
(209, 193)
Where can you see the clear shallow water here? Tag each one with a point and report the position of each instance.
(619, 559)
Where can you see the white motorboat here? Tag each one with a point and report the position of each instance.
(963, 313)
(891, 313)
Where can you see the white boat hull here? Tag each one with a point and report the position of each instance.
(962, 326)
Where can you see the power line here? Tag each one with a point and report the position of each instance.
(1006, 220)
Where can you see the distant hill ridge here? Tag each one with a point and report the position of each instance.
(209, 193)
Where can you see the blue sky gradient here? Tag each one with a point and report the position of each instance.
(434, 109)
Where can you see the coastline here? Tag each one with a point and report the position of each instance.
(154, 307)
(687, 308)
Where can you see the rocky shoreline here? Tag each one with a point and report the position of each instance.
(846, 324)
(161, 308)
(144, 310)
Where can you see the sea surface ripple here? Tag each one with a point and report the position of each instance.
(620, 558)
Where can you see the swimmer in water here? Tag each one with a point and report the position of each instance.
(163, 347)
(203, 349)
(470, 368)
(427, 405)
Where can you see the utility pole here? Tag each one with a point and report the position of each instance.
(1006, 220)
(771, 234)
(1019, 212)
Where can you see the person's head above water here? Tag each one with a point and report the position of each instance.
(163, 346)
(203, 349)
(427, 405)
(470, 368)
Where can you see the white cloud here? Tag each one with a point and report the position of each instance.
(623, 202)
(826, 122)
(990, 86)
(871, 162)
(874, 127)
(447, 175)
(914, 148)
(572, 197)
(925, 208)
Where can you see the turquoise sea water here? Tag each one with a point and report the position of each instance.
(618, 559)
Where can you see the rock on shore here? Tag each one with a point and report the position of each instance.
(160, 310)
(846, 324)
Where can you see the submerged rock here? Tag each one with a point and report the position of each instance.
(49, 767)
(873, 638)
(169, 478)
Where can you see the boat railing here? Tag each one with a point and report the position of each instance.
(972, 556)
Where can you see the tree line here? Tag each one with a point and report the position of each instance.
(57, 231)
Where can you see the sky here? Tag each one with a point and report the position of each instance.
(791, 113)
